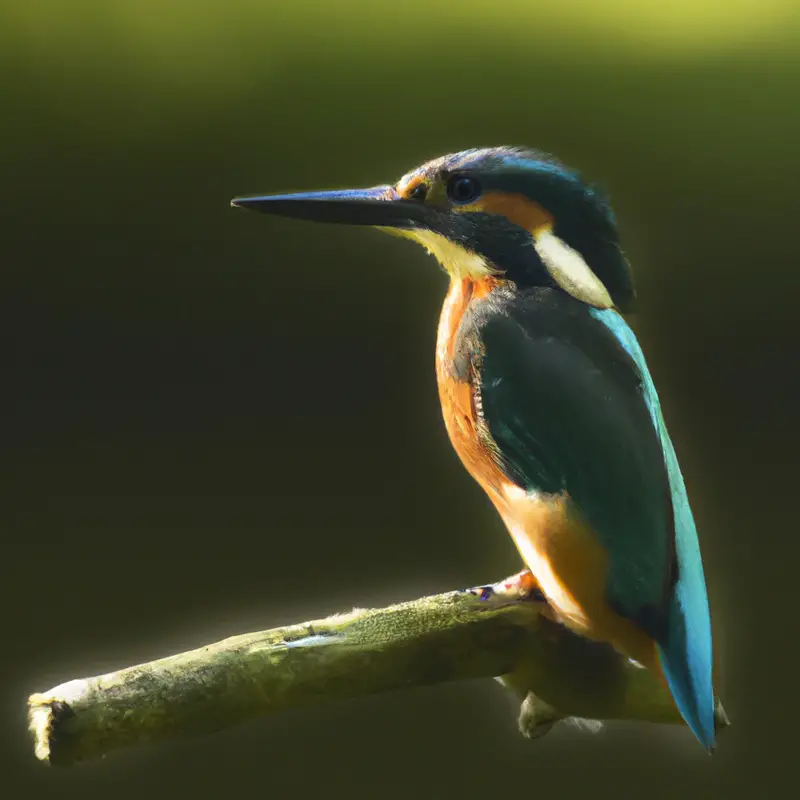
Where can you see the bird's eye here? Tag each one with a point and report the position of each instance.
(461, 189)
(419, 192)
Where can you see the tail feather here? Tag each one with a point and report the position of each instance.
(686, 663)
(686, 651)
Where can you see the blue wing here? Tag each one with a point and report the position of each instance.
(686, 652)
(570, 405)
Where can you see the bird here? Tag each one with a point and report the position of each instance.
(548, 400)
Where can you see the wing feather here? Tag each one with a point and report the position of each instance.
(563, 401)
(571, 408)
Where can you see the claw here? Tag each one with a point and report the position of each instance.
(524, 585)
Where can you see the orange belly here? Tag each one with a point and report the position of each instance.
(571, 567)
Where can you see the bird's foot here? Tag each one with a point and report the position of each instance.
(524, 585)
(520, 587)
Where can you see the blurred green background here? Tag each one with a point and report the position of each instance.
(216, 422)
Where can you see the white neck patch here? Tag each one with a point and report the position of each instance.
(570, 271)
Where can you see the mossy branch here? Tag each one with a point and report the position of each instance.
(483, 632)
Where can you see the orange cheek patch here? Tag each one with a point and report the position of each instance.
(515, 208)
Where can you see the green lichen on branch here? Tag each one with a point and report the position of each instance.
(446, 637)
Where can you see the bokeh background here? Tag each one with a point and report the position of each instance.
(217, 422)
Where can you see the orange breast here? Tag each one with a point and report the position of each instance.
(457, 394)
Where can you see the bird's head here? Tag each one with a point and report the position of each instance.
(508, 211)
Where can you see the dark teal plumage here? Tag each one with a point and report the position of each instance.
(570, 405)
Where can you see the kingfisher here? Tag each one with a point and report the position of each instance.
(548, 400)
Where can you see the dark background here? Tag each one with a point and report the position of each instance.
(217, 422)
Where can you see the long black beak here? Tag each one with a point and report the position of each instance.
(380, 205)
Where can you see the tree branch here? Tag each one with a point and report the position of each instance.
(483, 632)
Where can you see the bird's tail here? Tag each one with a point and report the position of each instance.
(686, 649)
(685, 656)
